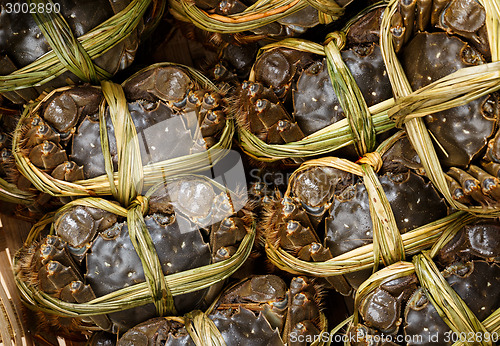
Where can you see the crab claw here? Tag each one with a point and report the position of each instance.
(68, 171)
(490, 185)
(40, 133)
(78, 292)
(407, 11)
(47, 155)
(269, 113)
(213, 122)
(456, 190)
(290, 132)
(53, 276)
(471, 186)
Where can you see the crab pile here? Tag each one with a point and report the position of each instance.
(195, 204)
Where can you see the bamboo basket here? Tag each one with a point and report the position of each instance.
(12, 329)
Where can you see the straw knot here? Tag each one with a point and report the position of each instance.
(141, 202)
(337, 36)
(373, 159)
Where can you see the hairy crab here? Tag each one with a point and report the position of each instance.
(291, 95)
(260, 310)
(172, 114)
(328, 211)
(23, 42)
(469, 267)
(434, 39)
(94, 252)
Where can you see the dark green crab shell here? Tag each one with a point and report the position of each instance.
(22, 42)
(414, 203)
(112, 262)
(463, 131)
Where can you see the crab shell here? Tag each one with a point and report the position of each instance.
(315, 103)
(474, 282)
(23, 42)
(112, 263)
(430, 56)
(243, 314)
(413, 201)
(171, 115)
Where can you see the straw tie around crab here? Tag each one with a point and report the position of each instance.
(74, 54)
(158, 288)
(361, 125)
(456, 89)
(389, 246)
(450, 307)
(131, 177)
(261, 13)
